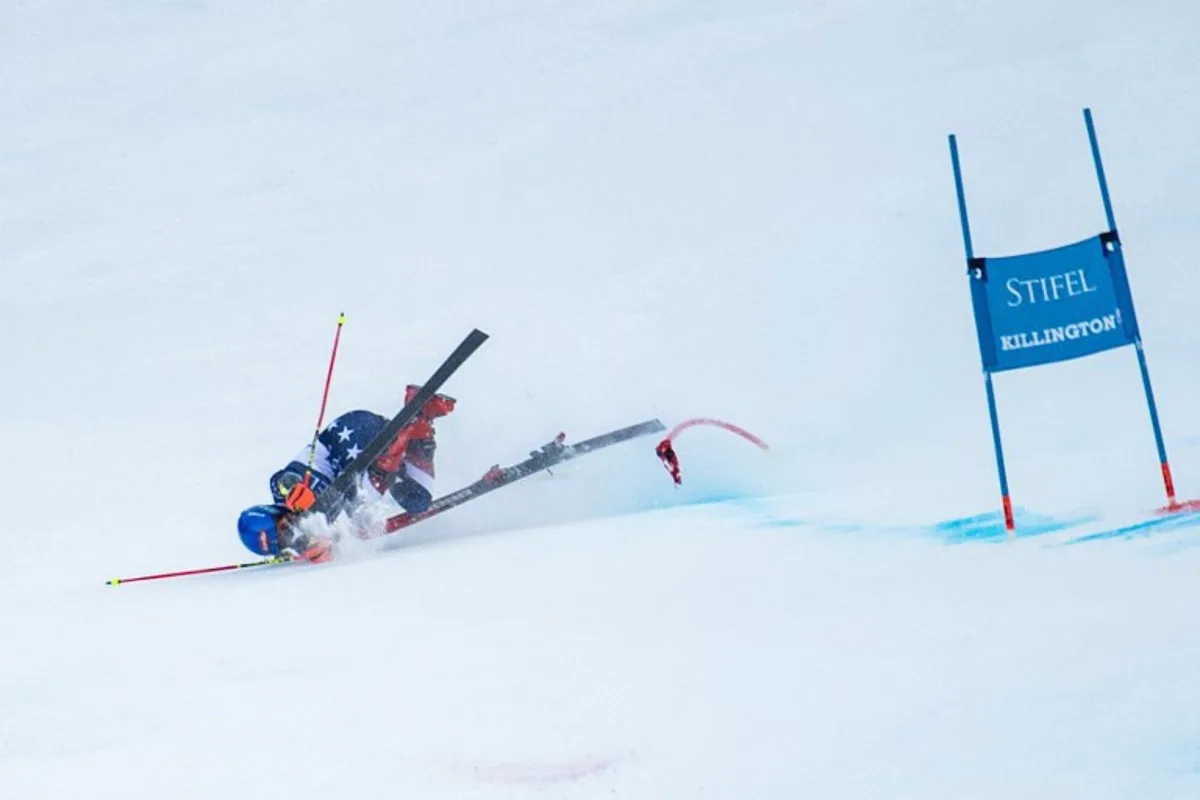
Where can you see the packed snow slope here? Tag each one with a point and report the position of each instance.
(657, 209)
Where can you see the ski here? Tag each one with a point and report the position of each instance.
(330, 501)
(549, 455)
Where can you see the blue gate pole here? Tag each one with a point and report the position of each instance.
(987, 376)
(1165, 465)
(1091, 129)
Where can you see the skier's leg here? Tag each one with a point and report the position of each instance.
(412, 490)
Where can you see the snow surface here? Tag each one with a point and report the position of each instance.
(656, 208)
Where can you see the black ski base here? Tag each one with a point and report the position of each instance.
(540, 460)
(332, 500)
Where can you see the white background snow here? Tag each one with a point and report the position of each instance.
(656, 208)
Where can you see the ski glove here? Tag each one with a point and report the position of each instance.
(300, 498)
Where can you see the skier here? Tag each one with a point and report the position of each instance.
(404, 471)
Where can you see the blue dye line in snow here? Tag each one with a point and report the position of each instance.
(718, 497)
(771, 513)
(1150, 527)
(763, 508)
(989, 527)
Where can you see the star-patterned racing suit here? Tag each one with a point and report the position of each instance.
(404, 470)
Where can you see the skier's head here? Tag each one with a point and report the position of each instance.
(258, 527)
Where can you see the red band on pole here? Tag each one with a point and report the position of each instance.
(1169, 484)
(1173, 505)
(1009, 523)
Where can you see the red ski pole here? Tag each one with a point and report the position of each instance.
(337, 337)
(302, 497)
(225, 568)
(666, 450)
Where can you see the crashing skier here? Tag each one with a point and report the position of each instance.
(363, 454)
(404, 471)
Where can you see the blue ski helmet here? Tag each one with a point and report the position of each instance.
(257, 527)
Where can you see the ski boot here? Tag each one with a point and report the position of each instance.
(438, 406)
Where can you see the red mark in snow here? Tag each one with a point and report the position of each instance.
(543, 774)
